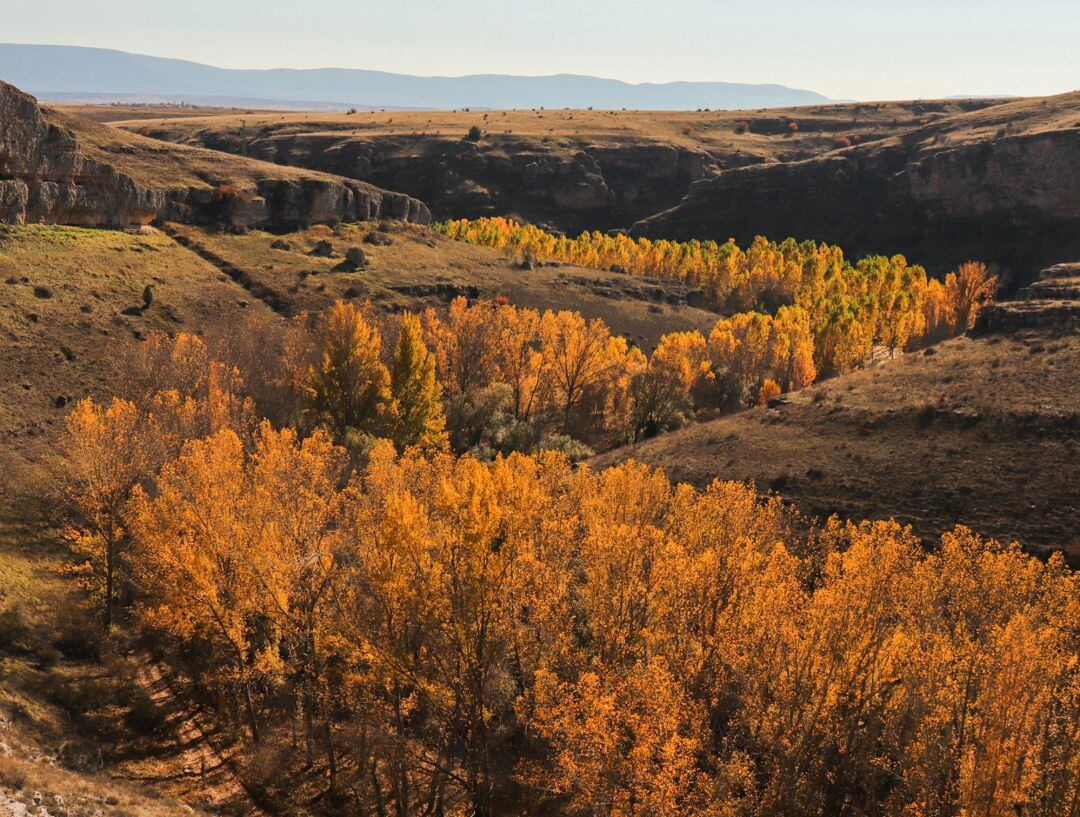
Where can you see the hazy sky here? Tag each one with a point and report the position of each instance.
(863, 49)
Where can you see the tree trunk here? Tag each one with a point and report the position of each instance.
(109, 556)
(331, 756)
(249, 707)
(309, 731)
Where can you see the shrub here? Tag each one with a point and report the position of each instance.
(76, 633)
(12, 774)
(481, 419)
(144, 717)
(15, 635)
(230, 192)
(47, 658)
(575, 450)
(769, 390)
(475, 134)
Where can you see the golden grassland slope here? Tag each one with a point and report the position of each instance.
(417, 267)
(66, 291)
(571, 169)
(981, 431)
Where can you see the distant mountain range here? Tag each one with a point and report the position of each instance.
(76, 74)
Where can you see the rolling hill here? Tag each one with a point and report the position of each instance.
(980, 430)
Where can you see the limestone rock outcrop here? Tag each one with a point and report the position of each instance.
(59, 169)
(1052, 300)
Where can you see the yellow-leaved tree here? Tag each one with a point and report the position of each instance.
(196, 558)
(350, 387)
(106, 457)
(969, 289)
(416, 413)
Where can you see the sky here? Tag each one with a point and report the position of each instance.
(843, 49)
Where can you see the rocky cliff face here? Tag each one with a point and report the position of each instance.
(58, 169)
(1051, 302)
(567, 170)
(566, 184)
(43, 176)
(1003, 193)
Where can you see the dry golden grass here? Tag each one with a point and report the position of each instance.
(44, 784)
(112, 113)
(754, 135)
(408, 273)
(61, 317)
(52, 758)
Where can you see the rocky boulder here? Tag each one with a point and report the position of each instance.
(355, 259)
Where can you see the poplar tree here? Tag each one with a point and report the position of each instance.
(417, 417)
(350, 387)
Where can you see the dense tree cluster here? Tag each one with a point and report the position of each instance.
(851, 308)
(488, 378)
(439, 635)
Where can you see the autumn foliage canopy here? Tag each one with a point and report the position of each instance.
(440, 635)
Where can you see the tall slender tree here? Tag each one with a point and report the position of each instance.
(350, 387)
(416, 413)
